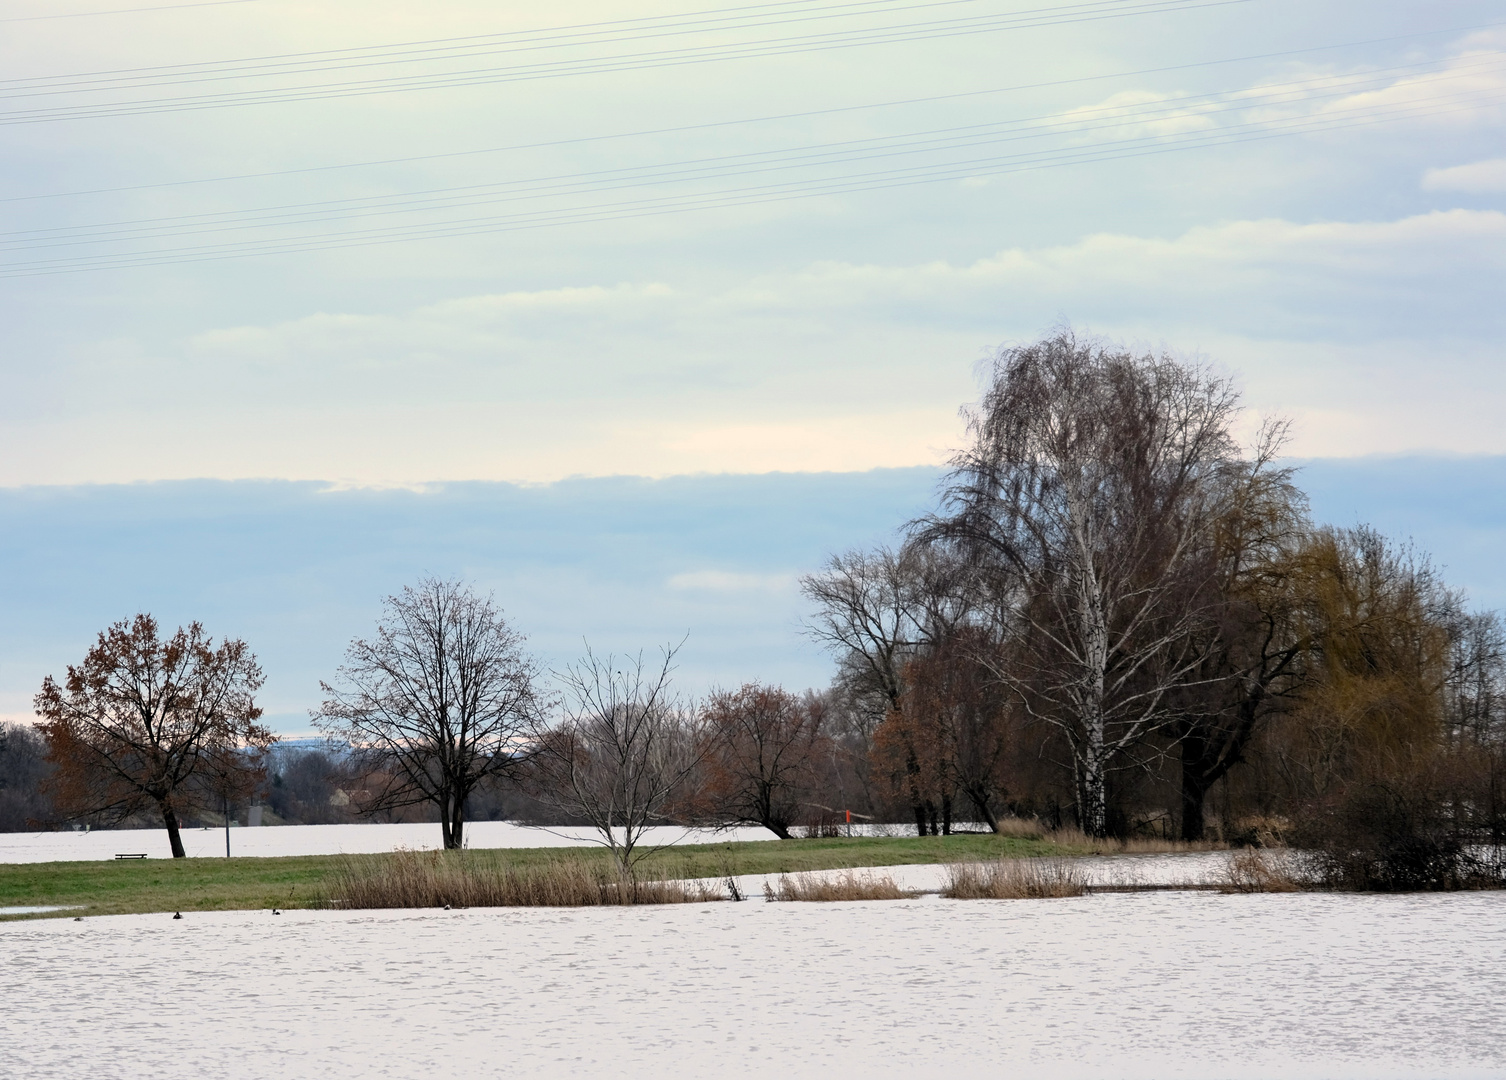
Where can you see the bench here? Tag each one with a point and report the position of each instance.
(132, 855)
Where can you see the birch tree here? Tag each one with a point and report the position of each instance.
(1088, 493)
(441, 699)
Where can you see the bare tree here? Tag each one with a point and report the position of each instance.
(763, 747)
(441, 699)
(877, 612)
(1089, 492)
(622, 752)
(141, 719)
(964, 716)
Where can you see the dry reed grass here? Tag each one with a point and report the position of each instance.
(1257, 871)
(426, 879)
(1015, 879)
(1133, 845)
(848, 886)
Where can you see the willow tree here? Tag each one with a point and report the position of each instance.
(1088, 496)
(142, 723)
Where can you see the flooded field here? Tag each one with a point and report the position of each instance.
(1123, 985)
(319, 840)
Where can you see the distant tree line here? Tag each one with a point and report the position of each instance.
(1116, 618)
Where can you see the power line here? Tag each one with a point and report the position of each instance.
(124, 11)
(680, 129)
(900, 33)
(775, 14)
(799, 157)
(752, 195)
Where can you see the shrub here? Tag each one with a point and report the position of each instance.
(1015, 879)
(1383, 837)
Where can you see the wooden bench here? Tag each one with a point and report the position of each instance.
(132, 855)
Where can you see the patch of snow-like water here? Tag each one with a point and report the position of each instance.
(1155, 871)
(320, 840)
(1123, 985)
(39, 910)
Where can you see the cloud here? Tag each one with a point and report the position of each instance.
(835, 366)
(1479, 177)
(725, 581)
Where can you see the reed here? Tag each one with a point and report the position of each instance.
(1257, 871)
(823, 888)
(1015, 879)
(1068, 836)
(427, 879)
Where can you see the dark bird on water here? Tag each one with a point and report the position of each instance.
(177, 914)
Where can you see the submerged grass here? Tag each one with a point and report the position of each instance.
(1015, 879)
(824, 888)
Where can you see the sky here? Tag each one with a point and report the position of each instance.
(302, 299)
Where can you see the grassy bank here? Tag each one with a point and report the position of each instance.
(149, 885)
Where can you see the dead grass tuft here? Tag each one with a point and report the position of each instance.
(1068, 836)
(1021, 828)
(1015, 879)
(848, 886)
(1256, 871)
(427, 879)
(1133, 845)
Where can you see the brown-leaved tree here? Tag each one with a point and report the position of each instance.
(139, 723)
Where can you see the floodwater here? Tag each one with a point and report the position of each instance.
(362, 838)
(1176, 984)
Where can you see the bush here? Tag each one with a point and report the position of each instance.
(1385, 837)
(1015, 879)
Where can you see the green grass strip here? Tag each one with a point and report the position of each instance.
(130, 887)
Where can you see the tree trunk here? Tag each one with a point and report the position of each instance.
(778, 828)
(920, 819)
(1195, 785)
(980, 801)
(451, 821)
(946, 815)
(1092, 798)
(170, 819)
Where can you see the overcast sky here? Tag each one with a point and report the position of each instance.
(374, 244)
